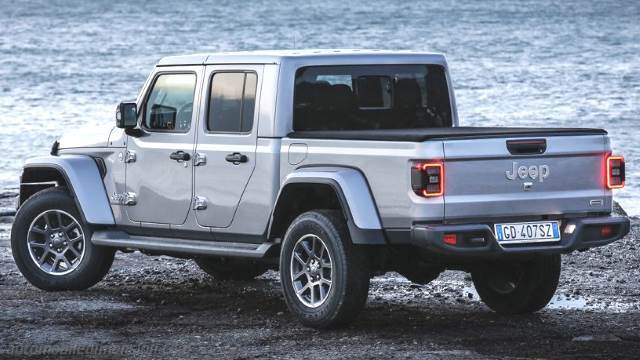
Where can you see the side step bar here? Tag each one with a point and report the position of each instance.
(120, 239)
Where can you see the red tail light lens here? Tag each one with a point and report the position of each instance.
(606, 231)
(615, 172)
(427, 179)
(451, 239)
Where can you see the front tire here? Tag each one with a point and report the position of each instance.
(51, 244)
(325, 278)
(518, 287)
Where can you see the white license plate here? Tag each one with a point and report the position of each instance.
(527, 232)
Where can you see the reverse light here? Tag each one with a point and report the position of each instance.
(427, 179)
(570, 228)
(615, 172)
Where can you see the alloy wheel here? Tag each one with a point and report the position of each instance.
(311, 270)
(56, 242)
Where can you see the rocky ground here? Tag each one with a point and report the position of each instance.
(161, 307)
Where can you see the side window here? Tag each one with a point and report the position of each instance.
(232, 102)
(170, 103)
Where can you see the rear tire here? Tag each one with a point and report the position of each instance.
(231, 269)
(518, 287)
(325, 278)
(51, 244)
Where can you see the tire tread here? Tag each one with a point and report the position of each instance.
(353, 294)
(98, 259)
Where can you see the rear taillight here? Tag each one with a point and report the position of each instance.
(615, 172)
(427, 178)
(450, 239)
(606, 231)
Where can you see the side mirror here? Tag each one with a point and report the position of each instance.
(127, 115)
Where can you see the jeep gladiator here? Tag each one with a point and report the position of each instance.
(331, 166)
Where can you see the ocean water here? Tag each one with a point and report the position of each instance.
(65, 64)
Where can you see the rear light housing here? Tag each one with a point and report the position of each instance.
(450, 239)
(615, 172)
(427, 178)
(606, 231)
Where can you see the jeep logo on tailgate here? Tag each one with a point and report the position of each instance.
(533, 172)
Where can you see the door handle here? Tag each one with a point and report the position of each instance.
(527, 146)
(236, 158)
(180, 156)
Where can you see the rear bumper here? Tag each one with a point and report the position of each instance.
(479, 239)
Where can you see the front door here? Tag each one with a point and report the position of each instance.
(226, 145)
(158, 169)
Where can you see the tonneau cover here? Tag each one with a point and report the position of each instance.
(462, 132)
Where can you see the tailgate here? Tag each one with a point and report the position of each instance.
(515, 177)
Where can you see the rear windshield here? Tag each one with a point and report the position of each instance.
(369, 97)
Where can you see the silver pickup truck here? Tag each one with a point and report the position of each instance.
(331, 166)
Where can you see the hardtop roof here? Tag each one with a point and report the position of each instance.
(304, 55)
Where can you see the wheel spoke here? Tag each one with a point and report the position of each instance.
(56, 262)
(299, 259)
(37, 230)
(43, 258)
(323, 291)
(303, 289)
(313, 294)
(36, 244)
(325, 281)
(300, 273)
(59, 218)
(75, 239)
(69, 227)
(66, 262)
(47, 220)
(74, 251)
(307, 249)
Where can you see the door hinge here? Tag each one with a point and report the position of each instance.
(129, 156)
(200, 159)
(127, 198)
(199, 203)
(130, 199)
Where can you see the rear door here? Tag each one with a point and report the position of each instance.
(502, 177)
(226, 144)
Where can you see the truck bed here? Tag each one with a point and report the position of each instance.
(461, 132)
